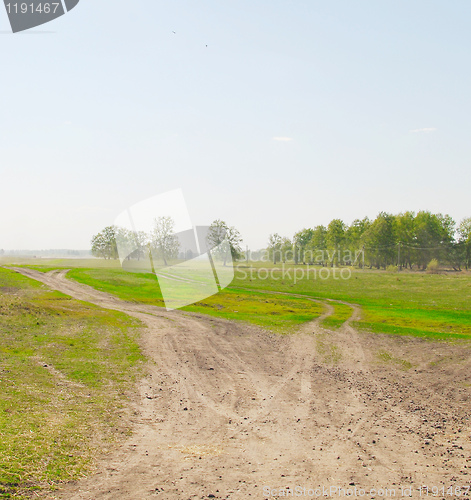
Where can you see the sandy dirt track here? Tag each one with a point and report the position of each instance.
(227, 410)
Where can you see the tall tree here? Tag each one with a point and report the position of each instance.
(464, 232)
(433, 236)
(104, 244)
(353, 239)
(379, 241)
(163, 239)
(318, 245)
(354, 232)
(220, 231)
(286, 249)
(274, 247)
(132, 244)
(404, 231)
(335, 239)
(301, 242)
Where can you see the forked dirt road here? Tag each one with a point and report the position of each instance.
(228, 411)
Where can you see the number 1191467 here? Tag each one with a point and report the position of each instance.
(31, 8)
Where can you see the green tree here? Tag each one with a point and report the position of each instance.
(404, 231)
(301, 242)
(286, 249)
(274, 247)
(353, 239)
(379, 241)
(132, 244)
(433, 236)
(335, 239)
(142, 240)
(318, 245)
(164, 242)
(220, 231)
(355, 231)
(104, 244)
(464, 233)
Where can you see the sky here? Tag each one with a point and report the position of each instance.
(271, 115)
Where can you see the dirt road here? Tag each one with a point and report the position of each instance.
(228, 411)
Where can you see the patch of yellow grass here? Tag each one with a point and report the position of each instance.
(198, 450)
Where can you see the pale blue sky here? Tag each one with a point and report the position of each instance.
(112, 108)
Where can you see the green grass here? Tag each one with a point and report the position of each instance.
(52, 264)
(416, 304)
(273, 312)
(341, 314)
(435, 306)
(65, 369)
(133, 287)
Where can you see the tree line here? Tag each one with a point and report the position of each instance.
(406, 240)
(162, 243)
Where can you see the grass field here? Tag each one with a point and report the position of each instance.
(65, 367)
(417, 304)
(80, 361)
(274, 312)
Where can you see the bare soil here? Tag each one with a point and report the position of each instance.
(227, 410)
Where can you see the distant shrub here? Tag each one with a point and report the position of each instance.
(433, 266)
(391, 269)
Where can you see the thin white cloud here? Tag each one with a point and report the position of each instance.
(423, 130)
(282, 139)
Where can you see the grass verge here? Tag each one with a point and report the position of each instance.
(66, 369)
